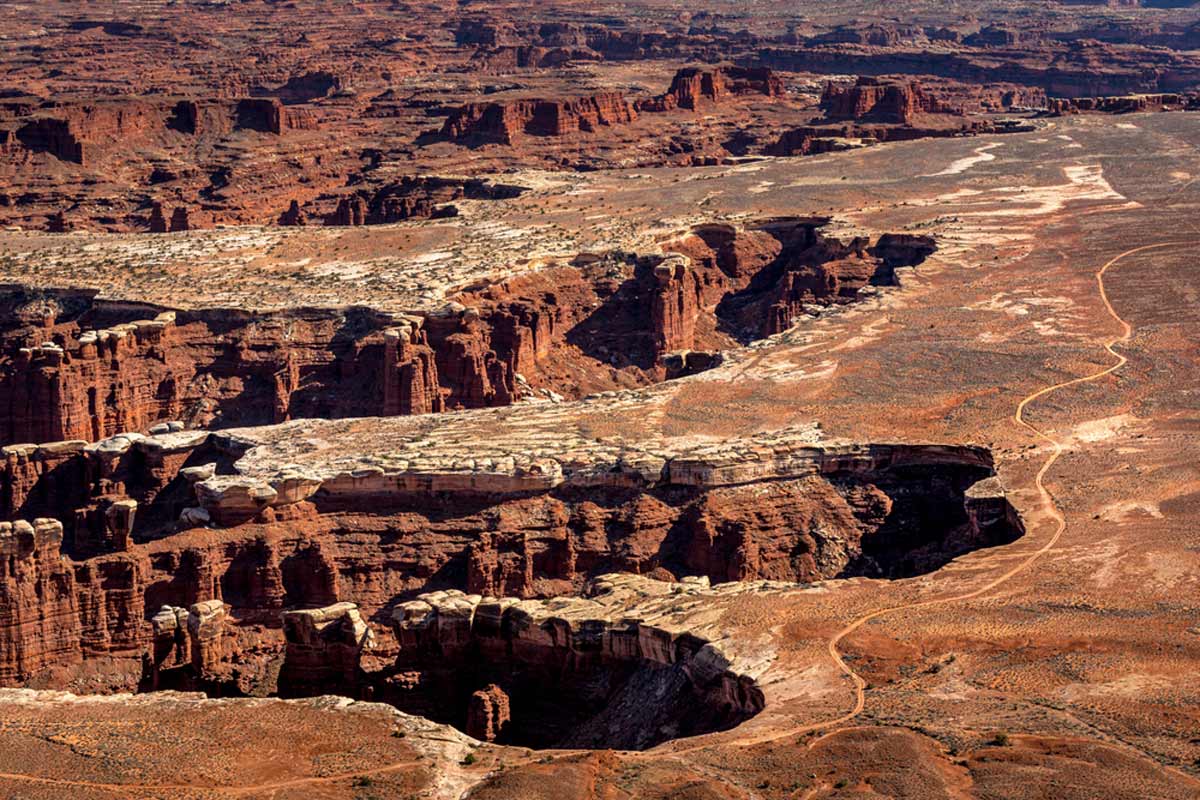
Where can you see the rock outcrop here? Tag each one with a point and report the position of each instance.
(40, 622)
(74, 133)
(606, 670)
(503, 123)
(695, 87)
(294, 216)
(488, 713)
(503, 522)
(180, 219)
(324, 650)
(54, 613)
(416, 197)
(691, 88)
(86, 369)
(876, 100)
(119, 368)
(188, 646)
(270, 116)
(779, 270)
(158, 222)
(1122, 104)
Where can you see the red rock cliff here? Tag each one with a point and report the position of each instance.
(878, 100)
(505, 122)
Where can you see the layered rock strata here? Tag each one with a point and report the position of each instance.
(73, 367)
(324, 650)
(691, 88)
(298, 529)
(54, 613)
(612, 669)
(873, 99)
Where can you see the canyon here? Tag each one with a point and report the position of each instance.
(351, 135)
(162, 529)
(80, 368)
(487, 401)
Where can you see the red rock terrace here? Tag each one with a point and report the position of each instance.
(75, 367)
(712, 401)
(154, 544)
(186, 551)
(692, 89)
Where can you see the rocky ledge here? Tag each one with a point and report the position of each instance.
(497, 454)
(569, 671)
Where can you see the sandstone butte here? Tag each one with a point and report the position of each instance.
(547, 401)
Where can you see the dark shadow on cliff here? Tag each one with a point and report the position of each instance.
(619, 332)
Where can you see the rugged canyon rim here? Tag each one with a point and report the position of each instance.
(479, 400)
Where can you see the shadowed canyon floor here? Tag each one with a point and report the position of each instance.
(866, 473)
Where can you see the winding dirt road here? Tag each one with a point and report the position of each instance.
(1047, 505)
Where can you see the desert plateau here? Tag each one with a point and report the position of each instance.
(709, 401)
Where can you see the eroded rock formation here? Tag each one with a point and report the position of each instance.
(487, 713)
(872, 99)
(691, 89)
(324, 650)
(78, 368)
(40, 623)
(608, 670)
(507, 523)
(417, 197)
(87, 370)
(503, 123)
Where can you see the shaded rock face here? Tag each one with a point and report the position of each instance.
(487, 713)
(180, 219)
(294, 216)
(505, 123)
(54, 136)
(261, 115)
(782, 269)
(158, 222)
(567, 673)
(310, 86)
(877, 100)
(57, 223)
(570, 330)
(268, 115)
(79, 368)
